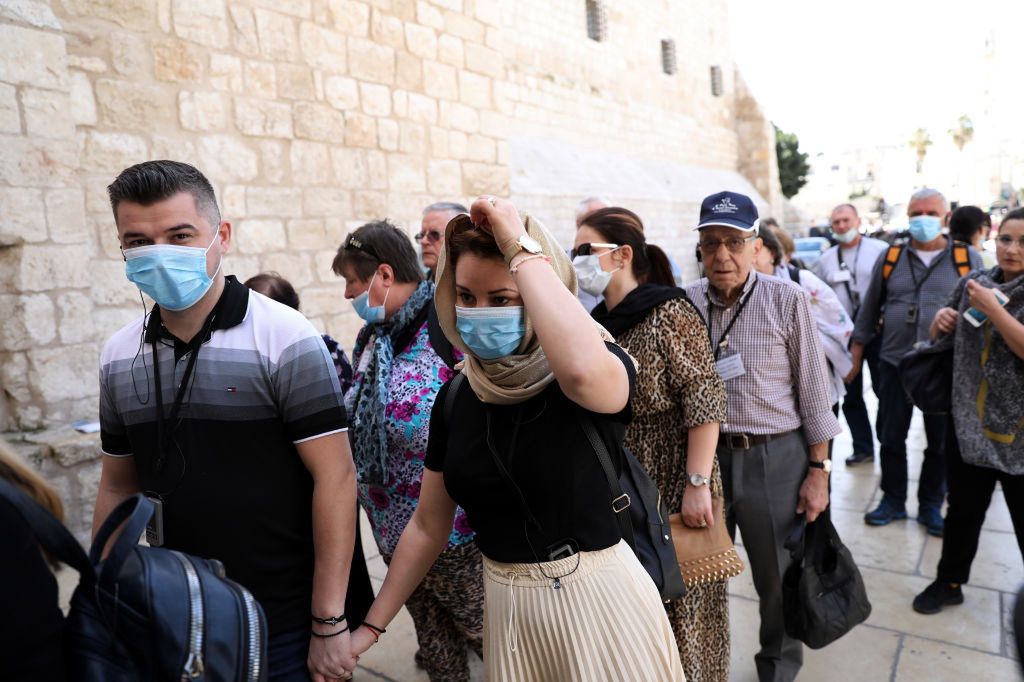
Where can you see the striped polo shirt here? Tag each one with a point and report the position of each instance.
(233, 485)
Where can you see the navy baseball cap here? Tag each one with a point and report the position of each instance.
(730, 209)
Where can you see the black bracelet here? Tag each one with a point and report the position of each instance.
(379, 631)
(329, 621)
(333, 634)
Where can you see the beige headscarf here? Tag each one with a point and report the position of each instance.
(514, 378)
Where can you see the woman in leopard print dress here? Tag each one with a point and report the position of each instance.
(680, 400)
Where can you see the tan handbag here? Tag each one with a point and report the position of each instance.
(705, 555)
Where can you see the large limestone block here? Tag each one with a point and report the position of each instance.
(387, 134)
(371, 62)
(422, 109)
(360, 130)
(272, 201)
(201, 21)
(137, 15)
(246, 37)
(274, 157)
(225, 72)
(36, 14)
(326, 201)
(277, 35)
(82, 101)
(319, 122)
(176, 60)
(108, 284)
(323, 48)
(21, 216)
(474, 90)
(225, 158)
(29, 321)
(33, 58)
(376, 99)
(10, 118)
(75, 322)
(412, 138)
(260, 117)
(111, 152)
(128, 105)
(311, 163)
(307, 234)
(485, 60)
(341, 93)
(260, 236)
(295, 267)
(450, 51)
(65, 216)
(440, 80)
(64, 373)
(67, 446)
(295, 81)
(205, 111)
(131, 55)
(484, 178)
(260, 79)
(405, 173)
(386, 29)
(350, 16)
(351, 167)
(409, 73)
(421, 41)
(324, 300)
(444, 178)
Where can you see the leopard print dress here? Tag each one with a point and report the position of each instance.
(678, 388)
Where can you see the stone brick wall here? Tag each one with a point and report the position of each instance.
(311, 117)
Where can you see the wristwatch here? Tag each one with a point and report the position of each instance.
(696, 480)
(524, 243)
(826, 465)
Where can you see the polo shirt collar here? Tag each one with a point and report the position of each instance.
(231, 308)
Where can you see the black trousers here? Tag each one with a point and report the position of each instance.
(970, 492)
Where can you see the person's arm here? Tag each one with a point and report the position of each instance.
(119, 480)
(701, 442)
(588, 373)
(814, 490)
(329, 462)
(423, 539)
(946, 318)
(1012, 330)
(867, 317)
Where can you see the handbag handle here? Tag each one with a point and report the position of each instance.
(134, 512)
(51, 534)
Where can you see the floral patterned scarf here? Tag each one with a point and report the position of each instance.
(368, 432)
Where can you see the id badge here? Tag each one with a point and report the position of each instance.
(155, 527)
(912, 314)
(731, 367)
(841, 276)
(364, 359)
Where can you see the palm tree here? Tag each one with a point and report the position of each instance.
(962, 134)
(920, 143)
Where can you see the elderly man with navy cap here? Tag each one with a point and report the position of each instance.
(773, 448)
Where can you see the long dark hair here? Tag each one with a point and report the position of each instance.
(618, 225)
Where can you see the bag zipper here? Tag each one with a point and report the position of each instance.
(194, 663)
(253, 619)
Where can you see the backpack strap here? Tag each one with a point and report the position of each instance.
(438, 341)
(961, 258)
(620, 500)
(51, 534)
(449, 399)
(892, 256)
(794, 273)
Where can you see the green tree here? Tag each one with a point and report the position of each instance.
(793, 166)
(963, 133)
(920, 143)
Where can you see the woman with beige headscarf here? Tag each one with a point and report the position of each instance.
(565, 597)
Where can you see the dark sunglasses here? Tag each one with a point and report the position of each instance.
(588, 249)
(430, 236)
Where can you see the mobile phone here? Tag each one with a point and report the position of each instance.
(560, 551)
(976, 317)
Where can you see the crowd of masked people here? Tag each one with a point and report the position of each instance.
(463, 425)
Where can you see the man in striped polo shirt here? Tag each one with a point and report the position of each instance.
(908, 295)
(224, 407)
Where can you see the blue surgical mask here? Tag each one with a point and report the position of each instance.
(173, 276)
(592, 278)
(491, 333)
(925, 228)
(370, 313)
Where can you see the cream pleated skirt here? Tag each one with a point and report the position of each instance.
(604, 622)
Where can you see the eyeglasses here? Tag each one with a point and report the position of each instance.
(588, 249)
(430, 236)
(1006, 241)
(735, 244)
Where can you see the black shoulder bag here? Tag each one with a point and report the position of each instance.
(823, 594)
(636, 502)
(149, 613)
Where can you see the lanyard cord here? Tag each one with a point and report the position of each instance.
(717, 348)
(853, 275)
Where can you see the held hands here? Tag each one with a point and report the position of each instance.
(813, 495)
(331, 658)
(362, 639)
(696, 509)
(945, 319)
(500, 218)
(982, 298)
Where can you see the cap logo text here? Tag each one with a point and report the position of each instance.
(725, 206)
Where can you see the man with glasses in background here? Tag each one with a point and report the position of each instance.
(431, 234)
(773, 447)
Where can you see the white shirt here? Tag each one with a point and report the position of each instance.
(859, 261)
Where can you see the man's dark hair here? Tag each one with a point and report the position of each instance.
(772, 243)
(152, 181)
(965, 222)
(376, 243)
(274, 286)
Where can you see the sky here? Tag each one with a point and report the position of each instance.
(851, 74)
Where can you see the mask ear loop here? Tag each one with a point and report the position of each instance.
(138, 352)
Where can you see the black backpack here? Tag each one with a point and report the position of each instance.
(636, 501)
(149, 613)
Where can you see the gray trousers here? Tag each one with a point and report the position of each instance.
(762, 488)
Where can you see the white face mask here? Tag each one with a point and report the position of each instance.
(847, 237)
(592, 278)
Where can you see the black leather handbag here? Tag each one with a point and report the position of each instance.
(927, 376)
(823, 594)
(148, 613)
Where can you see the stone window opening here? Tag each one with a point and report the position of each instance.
(668, 56)
(597, 20)
(716, 81)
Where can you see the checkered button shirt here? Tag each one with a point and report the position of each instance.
(786, 384)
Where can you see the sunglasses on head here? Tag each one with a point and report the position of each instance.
(588, 249)
(356, 244)
(430, 236)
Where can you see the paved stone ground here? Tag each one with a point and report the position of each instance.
(972, 641)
